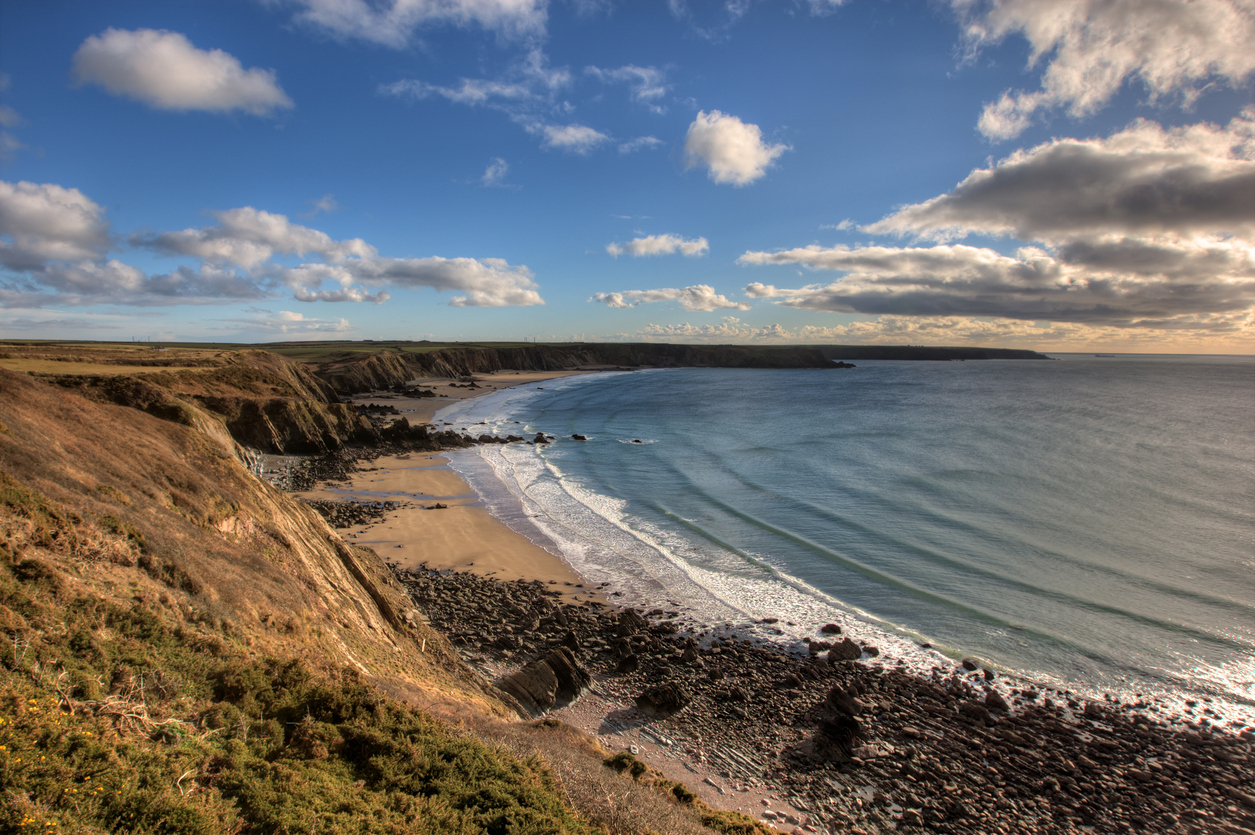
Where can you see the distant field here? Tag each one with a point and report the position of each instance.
(299, 351)
(102, 358)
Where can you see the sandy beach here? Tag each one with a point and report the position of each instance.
(460, 534)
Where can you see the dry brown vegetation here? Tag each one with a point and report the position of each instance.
(213, 652)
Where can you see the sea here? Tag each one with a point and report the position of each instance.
(1084, 523)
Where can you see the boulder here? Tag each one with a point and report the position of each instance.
(830, 629)
(847, 650)
(663, 700)
(544, 682)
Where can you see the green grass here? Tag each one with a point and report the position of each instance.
(121, 718)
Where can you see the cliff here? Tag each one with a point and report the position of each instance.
(399, 363)
(261, 400)
(184, 648)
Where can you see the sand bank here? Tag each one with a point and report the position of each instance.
(461, 535)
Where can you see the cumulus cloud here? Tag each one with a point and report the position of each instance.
(1092, 47)
(247, 237)
(699, 297)
(731, 150)
(393, 22)
(1148, 228)
(957, 280)
(162, 69)
(660, 245)
(54, 243)
(1142, 180)
(575, 139)
(647, 85)
(41, 222)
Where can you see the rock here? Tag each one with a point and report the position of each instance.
(630, 623)
(974, 710)
(628, 664)
(690, 656)
(847, 650)
(835, 738)
(540, 438)
(969, 664)
(663, 700)
(817, 647)
(830, 629)
(579, 437)
(994, 701)
(870, 651)
(842, 701)
(542, 683)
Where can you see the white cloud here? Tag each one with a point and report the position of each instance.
(348, 294)
(1209, 278)
(661, 245)
(725, 333)
(1092, 47)
(528, 94)
(41, 222)
(576, 139)
(53, 243)
(290, 324)
(495, 173)
(247, 237)
(393, 22)
(647, 85)
(951, 330)
(1144, 180)
(699, 297)
(163, 70)
(530, 82)
(1148, 228)
(732, 151)
(634, 145)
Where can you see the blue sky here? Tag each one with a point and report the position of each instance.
(1055, 174)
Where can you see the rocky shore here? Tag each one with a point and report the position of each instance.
(852, 743)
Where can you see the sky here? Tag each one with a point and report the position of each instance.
(1063, 175)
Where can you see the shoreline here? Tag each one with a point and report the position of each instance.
(463, 536)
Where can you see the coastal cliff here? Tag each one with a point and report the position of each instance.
(397, 363)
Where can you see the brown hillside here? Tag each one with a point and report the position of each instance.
(224, 547)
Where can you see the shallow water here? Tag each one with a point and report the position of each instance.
(1087, 522)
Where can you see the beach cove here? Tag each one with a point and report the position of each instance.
(901, 748)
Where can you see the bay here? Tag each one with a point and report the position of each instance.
(1087, 522)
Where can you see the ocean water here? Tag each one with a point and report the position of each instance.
(1085, 523)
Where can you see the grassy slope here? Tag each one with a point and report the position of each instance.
(185, 649)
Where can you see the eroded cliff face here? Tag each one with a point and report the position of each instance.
(121, 505)
(390, 368)
(262, 400)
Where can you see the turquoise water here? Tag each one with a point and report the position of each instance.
(1087, 522)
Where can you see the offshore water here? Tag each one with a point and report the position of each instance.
(1086, 523)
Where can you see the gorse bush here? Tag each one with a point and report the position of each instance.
(117, 719)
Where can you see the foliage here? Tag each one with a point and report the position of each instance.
(118, 719)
